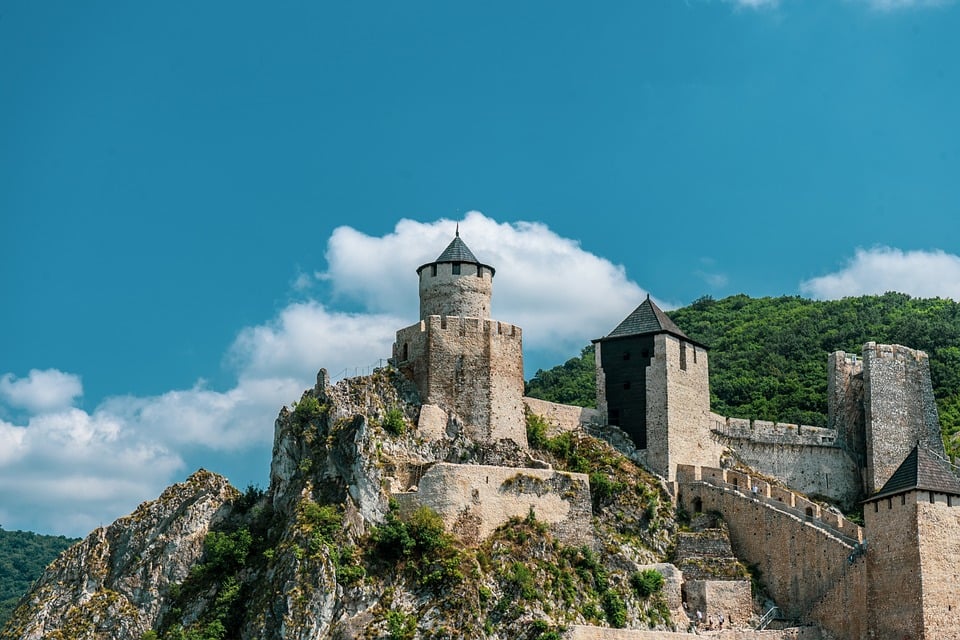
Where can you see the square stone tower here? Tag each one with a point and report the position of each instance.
(654, 383)
(913, 532)
(460, 359)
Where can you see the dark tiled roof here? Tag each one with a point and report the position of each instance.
(921, 470)
(457, 251)
(647, 319)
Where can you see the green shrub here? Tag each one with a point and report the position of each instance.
(647, 582)
(307, 409)
(614, 609)
(395, 422)
(401, 626)
(536, 430)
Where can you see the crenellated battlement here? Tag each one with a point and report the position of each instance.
(763, 431)
(458, 326)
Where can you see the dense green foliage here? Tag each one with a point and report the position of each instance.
(23, 557)
(570, 383)
(768, 355)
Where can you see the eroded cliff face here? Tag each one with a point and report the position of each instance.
(114, 583)
(322, 553)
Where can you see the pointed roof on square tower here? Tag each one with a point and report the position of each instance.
(648, 319)
(920, 470)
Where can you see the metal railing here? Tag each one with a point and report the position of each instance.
(356, 372)
(772, 614)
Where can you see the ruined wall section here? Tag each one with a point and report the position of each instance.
(938, 529)
(562, 417)
(894, 597)
(899, 407)
(474, 500)
(444, 293)
(845, 412)
(678, 407)
(470, 367)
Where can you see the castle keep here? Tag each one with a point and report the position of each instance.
(461, 360)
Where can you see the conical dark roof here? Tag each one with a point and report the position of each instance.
(457, 251)
(645, 320)
(921, 470)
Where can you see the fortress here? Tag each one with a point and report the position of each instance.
(896, 577)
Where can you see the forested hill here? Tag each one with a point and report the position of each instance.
(768, 356)
(23, 557)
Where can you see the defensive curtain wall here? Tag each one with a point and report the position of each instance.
(474, 500)
(803, 552)
(808, 459)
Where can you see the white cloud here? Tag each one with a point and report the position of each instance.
(924, 274)
(754, 4)
(561, 295)
(40, 391)
(66, 470)
(895, 5)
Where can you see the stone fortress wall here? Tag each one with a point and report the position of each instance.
(879, 406)
(474, 500)
(678, 406)
(470, 367)
(803, 551)
(899, 407)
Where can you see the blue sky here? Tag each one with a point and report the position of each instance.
(201, 204)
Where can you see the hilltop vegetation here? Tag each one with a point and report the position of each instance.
(768, 355)
(23, 556)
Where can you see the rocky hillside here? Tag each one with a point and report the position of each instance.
(324, 553)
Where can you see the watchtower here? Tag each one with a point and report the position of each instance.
(653, 382)
(460, 359)
(913, 529)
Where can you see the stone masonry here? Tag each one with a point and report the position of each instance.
(462, 361)
(474, 500)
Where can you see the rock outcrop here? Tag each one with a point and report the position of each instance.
(115, 583)
(326, 553)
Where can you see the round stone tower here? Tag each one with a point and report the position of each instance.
(455, 284)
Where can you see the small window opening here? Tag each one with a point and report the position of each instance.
(433, 270)
(694, 355)
(809, 512)
(479, 271)
(889, 503)
(406, 348)
(683, 355)
(697, 505)
(876, 507)
(456, 268)
(903, 498)
(933, 498)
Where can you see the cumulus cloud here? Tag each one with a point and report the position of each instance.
(40, 391)
(924, 274)
(65, 470)
(561, 295)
